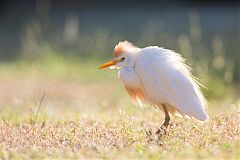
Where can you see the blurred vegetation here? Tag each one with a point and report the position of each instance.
(58, 41)
(56, 46)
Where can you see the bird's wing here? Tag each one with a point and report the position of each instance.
(166, 79)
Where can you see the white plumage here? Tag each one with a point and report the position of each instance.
(159, 77)
(168, 81)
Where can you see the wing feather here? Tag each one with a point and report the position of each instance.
(166, 79)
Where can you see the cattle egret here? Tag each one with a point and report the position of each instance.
(158, 77)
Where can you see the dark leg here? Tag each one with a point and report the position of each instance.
(167, 117)
(166, 121)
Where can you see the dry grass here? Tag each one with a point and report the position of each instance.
(219, 138)
(85, 120)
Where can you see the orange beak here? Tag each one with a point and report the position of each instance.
(107, 64)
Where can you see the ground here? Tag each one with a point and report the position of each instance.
(86, 113)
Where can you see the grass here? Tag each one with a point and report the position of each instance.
(86, 114)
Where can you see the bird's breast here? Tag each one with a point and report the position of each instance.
(133, 85)
(129, 77)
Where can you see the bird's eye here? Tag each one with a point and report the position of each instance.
(122, 59)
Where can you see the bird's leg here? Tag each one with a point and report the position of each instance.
(167, 117)
(166, 120)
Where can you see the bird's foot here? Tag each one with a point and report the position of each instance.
(154, 138)
(162, 130)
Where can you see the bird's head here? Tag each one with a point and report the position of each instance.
(124, 55)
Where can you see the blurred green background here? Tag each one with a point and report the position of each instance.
(54, 47)
(71, 38)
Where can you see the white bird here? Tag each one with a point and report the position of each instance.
(159, 77)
